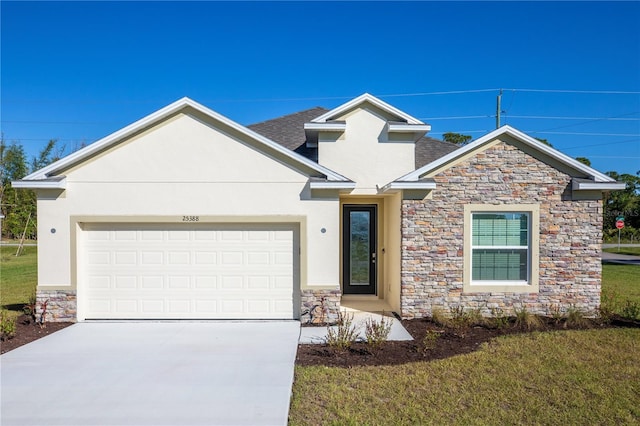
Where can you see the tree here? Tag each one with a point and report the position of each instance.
(18, 205)
(457, 138)
(625, 203)
(584, 160)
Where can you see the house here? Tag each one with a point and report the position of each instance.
(186, 214)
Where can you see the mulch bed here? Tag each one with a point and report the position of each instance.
(449, 343)
(27, 331)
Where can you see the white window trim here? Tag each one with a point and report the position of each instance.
(531, 285)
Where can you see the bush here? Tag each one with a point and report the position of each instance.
(429, 341)
(575, 318)
(343, 334)
(377, 332)
(631, 310)
(7, 326)
(498, 318)
(525, 320)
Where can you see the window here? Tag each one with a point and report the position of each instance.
(501, 246)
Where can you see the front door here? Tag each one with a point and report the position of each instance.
(359, 249)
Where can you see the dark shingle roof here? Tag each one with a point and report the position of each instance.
(288, 131)
(429, 149)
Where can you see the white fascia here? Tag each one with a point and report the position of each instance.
(409, 128)
(40, 184)
(332, 185)
(597, 186)
(372, 100)
(510, 131)
(163, 113)
(326, 127)
(394, 186)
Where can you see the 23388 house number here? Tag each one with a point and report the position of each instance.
(190, 218)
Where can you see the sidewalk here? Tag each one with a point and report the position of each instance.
(318, 334)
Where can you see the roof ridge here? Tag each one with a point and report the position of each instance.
(288, 115)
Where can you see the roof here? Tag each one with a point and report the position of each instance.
(367, 98)
(288, 131)
(593, 174)
(429, 149)
(46, 173)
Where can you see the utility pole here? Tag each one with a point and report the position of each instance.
(498, 109)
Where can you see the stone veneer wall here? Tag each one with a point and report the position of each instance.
(320, 306)
(61, 305)
(432, 237)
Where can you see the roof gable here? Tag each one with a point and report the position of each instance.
(480, 144)
(335, 113)
(157, 117)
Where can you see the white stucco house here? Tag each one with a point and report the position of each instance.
(186, 214)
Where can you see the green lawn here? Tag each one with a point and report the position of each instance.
(568, 378)
(555, 378)
(633, 251)
(622, 280)
(18, 277)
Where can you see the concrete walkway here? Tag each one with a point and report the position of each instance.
(162, 373)
(319, 334)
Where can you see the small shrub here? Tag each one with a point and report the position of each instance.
(29, 308)
(439, 317)
(556, 314)
(631, 310)
(609, 302)
(7, 326)
(474, 317)
(429, 341)
(575, 318)
(43, 314)
(498, 318)
(343, 334)
(525, 320)
(377, 332)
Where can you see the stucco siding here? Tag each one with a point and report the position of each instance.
(364, 153)
(433, 236)
(186, 167)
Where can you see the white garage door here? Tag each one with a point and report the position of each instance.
(187, 272)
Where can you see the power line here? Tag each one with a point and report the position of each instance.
(581, 134)
(593, 92)
(602, 144)
(390, 95)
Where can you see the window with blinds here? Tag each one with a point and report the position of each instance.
(500, 247)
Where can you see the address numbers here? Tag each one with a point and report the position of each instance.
(190, 218)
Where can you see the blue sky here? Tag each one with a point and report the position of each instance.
(79, 71)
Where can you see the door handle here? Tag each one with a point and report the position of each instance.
(373, 258)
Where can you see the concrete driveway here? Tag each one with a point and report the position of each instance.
(152, 373)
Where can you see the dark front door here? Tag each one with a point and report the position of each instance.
(359, 249)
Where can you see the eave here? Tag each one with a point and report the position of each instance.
(53, 183)
(590, 185)
(398, 185)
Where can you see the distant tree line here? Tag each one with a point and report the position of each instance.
(18, 206)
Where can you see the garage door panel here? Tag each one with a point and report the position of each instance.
(144, 271)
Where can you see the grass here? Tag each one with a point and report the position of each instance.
(622, 280)
(568, 377)
(18, 277)
(633, 251)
